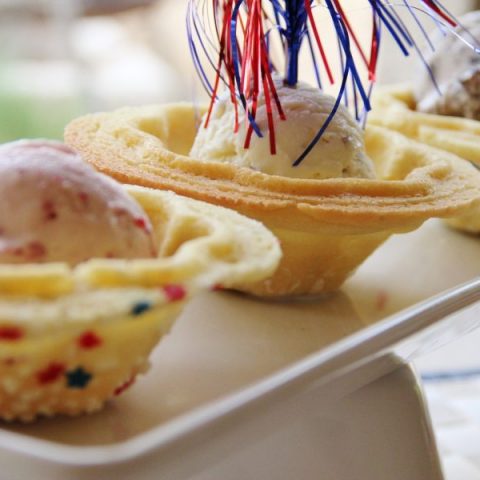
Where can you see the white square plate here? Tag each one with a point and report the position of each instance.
(232, 362)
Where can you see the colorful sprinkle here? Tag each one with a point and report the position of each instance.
(49, 210)
(78, 378)
(35, 251)
(10, 333)
(83, 197)
(174, 292)
(141, 307)
(125, 386)
(141, 223)
(382, 300)
(89, 340)
(51, 373)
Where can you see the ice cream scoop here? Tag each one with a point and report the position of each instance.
(456, 68)
(339, 153)
(55, 207)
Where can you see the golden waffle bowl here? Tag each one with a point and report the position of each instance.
(326, 227)
(394, 108)
(73, 337)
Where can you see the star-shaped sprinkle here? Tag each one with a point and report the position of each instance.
(10, 333)
(141, 307)
(141, 223)
(89, 340)
(78, 378)
(51, 373)
(174, 292)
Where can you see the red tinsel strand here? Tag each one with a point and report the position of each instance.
(433, 6)
(227, 12)
(271, 85)
(252, 87)
(248, 47)
(319, 42)
(231, 82)
(265, 71)
(256, 75)
(271, 126)
(375, 47)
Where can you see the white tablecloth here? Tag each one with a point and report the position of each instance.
(451, 378)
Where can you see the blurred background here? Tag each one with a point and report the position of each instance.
(59, 59)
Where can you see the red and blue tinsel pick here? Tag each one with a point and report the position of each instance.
(233, 39)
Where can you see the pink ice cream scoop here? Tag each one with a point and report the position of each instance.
(55, 207)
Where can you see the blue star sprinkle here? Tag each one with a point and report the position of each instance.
(78, 378)
(141, 307)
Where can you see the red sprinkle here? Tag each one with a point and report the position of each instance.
(218, 287)
(49, 210)
(119, 390)
(11, 334)
(174, 292)
(382, 300)
(83, 197)
(51, 373)
(140, 223)
(35, 250)
(89, 340)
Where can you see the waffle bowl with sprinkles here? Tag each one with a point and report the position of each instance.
(76, 333)
(282, 152)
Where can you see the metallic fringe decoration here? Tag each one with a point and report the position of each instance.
(233, 38)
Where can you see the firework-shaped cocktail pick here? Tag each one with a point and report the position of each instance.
(233, 38)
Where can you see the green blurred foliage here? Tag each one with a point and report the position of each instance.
(23, 116)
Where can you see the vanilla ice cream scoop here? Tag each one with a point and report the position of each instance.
(340, 152)
(55, 207)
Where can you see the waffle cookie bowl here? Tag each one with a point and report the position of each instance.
(326, 227)
(395, 109)
(73, 337)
